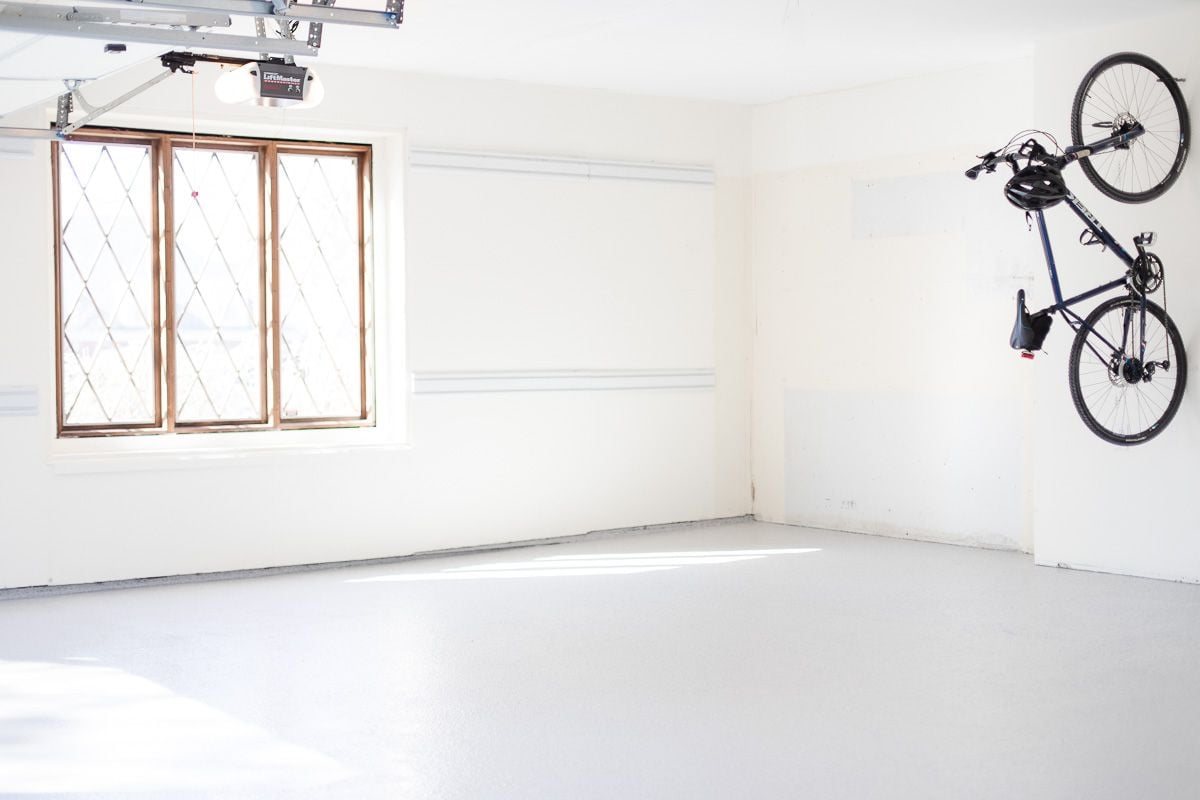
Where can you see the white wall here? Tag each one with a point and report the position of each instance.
(868, 282)
(635, 276)
(885, 397)
(1128, 510)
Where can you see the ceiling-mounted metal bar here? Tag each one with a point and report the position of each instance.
(390, 17)
(28, 133)
(12, 18)
(342, 16)
(131, 16)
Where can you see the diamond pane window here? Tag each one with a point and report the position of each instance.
(107, 303)
(211, 284)
(320, 287)
(220, 337)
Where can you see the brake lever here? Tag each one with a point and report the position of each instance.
(982, 166)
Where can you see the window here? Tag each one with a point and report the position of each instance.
(211, 284)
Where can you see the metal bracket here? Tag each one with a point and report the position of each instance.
(260, 30)
(65, 106)
(287, 30)
(317, 29)
(73, 86)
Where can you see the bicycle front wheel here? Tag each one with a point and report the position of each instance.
(1119, 92)
(1123, 395)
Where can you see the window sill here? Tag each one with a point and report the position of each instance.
(200, 450)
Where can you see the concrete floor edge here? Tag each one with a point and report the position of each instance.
(1149, 576)
(23, 592)
(928, 538)
(1040, 562)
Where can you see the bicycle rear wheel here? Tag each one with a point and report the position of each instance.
(1124, 397)
(1121, 90)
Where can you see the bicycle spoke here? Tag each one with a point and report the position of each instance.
(1125, 398)
(1117, 97)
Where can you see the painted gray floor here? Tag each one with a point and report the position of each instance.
(643, 666)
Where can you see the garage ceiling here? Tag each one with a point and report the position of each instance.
(746, 51)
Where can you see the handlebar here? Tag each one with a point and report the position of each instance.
(1031, 150)
(989, 162)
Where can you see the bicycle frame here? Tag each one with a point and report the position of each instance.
(1076, 152)
(1063, 306)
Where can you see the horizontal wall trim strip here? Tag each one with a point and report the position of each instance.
(18, 401)
(561, 380)
(563, 167)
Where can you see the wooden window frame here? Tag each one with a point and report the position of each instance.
(161, 145)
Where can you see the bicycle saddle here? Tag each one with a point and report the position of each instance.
(1029, 331)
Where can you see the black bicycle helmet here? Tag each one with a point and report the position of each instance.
(1035, 187)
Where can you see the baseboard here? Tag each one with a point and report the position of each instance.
(1141, 575)
(262, 572)
(911, 536)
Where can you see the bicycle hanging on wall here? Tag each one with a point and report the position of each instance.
(1127, 368)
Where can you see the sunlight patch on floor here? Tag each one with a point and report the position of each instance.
(67, 728)
(587, 565)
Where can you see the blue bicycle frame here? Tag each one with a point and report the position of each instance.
(1062, 306)
(1101, 233)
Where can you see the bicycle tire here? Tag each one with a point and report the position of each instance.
(1156, 414)
(1121, 87)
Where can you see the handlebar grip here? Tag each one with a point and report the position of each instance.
(973, 172)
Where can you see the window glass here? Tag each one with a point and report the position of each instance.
(219, 270)
(107, 284)
(320, 290)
